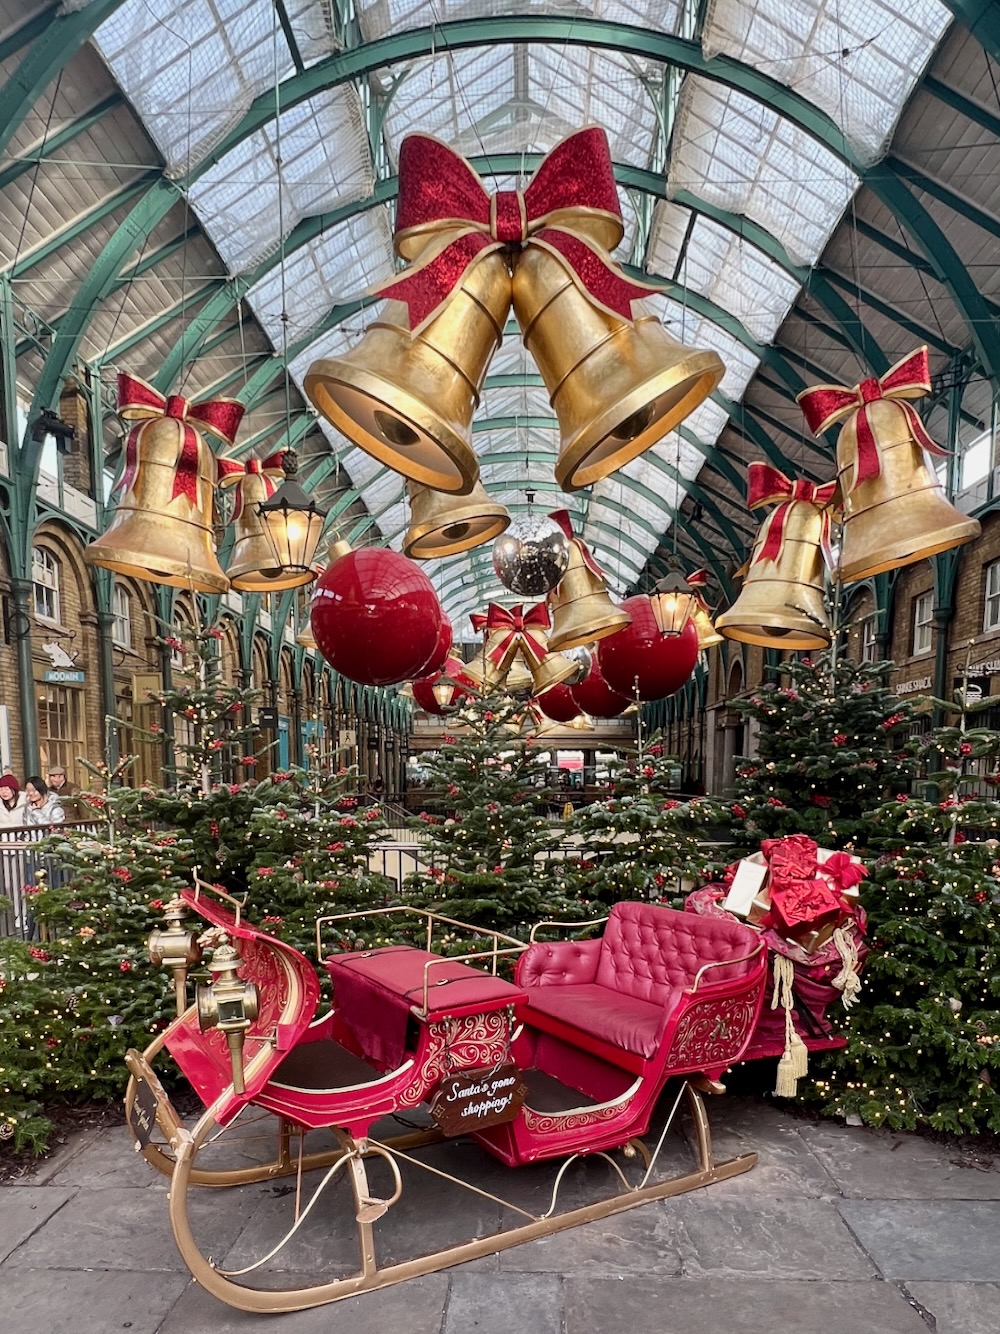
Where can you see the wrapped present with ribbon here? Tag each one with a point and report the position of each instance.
(795, 889)
(782, 603)
(895, 509)
(161, 530)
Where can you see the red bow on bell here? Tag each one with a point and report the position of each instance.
(697, 581)
(514, 625)
(769, 486)
(232, 472)
(826, 404)
(565, 522)
(569, 207)
(140, 402)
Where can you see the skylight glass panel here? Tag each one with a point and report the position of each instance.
(312, 28)
(379, 18)
(192, 76)
(710, 259)
(707, 422)
(571, 86)
(858, 60)
(452, 95)
(632, 502)
(324, 162)
(333, 269)
(515, 400)
(741, 155)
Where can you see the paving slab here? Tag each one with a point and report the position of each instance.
(957, 1240)
(883, 1165)
(416, 1307)
(499, 1304)
(786, 1166)
(125, 1229)
(767, 1238)
(25, 1210)
(960, 1308)
(108, 1160)
(644, 1239)
(54, 1301)
(739, 1306)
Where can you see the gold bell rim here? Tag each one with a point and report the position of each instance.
(178, 575)
(557, 675)
(426, 540)
(454, 468)
(899, 554)
(577, 467)
(253, 581)
(774, 634)
(609, 624)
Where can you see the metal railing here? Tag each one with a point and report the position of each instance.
(20, 864)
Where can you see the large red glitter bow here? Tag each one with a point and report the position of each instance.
(770, 486)
(140, 402)
(526, 629)
(232, 472)
(826, 404)
(565, 522)
(569, 207)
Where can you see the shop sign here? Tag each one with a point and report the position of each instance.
(55, 677)
(911, 687)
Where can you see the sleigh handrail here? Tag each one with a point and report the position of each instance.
(430, 918)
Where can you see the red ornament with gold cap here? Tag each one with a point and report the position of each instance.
(642, 662)
(376, 616)
(594, 696)
(161, 530)
(895, 509)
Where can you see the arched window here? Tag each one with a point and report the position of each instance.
(121, 606)
(45, 584)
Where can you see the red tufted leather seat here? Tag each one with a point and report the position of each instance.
(620, 992)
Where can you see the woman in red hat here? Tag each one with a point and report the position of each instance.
(11, 802)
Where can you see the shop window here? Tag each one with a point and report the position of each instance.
(923, 612)
(869, 639)
(121, 606)
(59, 726)
(991, 604)
(45, 584)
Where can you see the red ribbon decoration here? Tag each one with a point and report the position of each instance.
(513, 625)
(800, 895)
(565, 522)
(570, 196)
(697, 580)
(231, 472)
(826, 404)
(769, 486)
(140, 402)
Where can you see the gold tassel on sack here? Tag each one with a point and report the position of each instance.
(847, 980)
(794, 1063)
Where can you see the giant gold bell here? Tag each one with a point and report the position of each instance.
(154, 534)
(616, 387)
(581, 607)
(781, 604)
(252, 563)
(552, 670)
(707, 633)
(902, 514)
(443, 524)
(408, 400)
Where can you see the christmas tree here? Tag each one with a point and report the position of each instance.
(831, 746)
(925, 1046)
(634, 845)
(487, 856)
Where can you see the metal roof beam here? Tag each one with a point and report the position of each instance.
(49, 145)
(959, 203)
(890, 312)
(982, 18)
(951, 97)
(156, 323)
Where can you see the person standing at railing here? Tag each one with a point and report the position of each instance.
(67, 793)
(12, 803)
(42, 805)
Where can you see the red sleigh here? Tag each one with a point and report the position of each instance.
(566, 1061)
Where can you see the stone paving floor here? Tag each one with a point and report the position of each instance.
(838, 1230)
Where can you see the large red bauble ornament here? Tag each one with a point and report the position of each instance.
(454, 670)
(594, 696)
(638, 658)
(376, 617)
(558, 704)
(442, 648)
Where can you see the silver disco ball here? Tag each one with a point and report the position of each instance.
(584, 661)
(531, 556)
